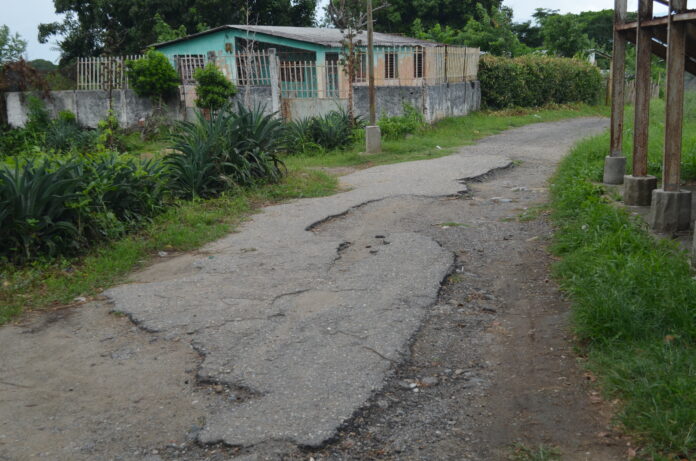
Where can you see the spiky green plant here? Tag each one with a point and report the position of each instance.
(35, 211)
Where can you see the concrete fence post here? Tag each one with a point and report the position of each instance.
(274, 77)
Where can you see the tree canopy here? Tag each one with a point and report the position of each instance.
(490, 31)
(94, 27)
(12, 47)
(399, 15)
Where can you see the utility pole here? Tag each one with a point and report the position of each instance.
(373, 139)
(371, 64)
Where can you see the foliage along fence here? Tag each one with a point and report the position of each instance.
(533, 81)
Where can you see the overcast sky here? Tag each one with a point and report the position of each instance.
(24, 16)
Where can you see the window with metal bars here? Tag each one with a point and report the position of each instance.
(292, 71)
(187, 64)
(418, 69)
(391, 65)
(360, 75)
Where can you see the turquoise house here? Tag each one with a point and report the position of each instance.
(309, 58)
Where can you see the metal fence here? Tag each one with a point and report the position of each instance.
(299, 75)
(103, 72)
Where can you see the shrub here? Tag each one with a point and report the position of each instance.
(533, 81)
(334, 130)
(60, 205)
(213, 89)
(153, 76)
(64, 134)
(35, 212)
(402, 125)
(232, 148)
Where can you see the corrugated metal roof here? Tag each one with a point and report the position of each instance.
(317, 35)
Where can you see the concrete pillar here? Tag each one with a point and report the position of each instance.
(321, 74)
(614, 169)
(274, 77)
(670, 210)
(373, 140)
(638, 190)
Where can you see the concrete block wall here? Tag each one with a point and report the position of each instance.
(92, 106)
(434, 101)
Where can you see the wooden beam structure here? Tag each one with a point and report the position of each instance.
(641, 122)
(673, 38)
(674, 98)
(618, 72)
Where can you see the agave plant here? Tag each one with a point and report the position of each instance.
(255, 140)
(299, 136)
(231, 148)
(35, 209)
(194, 166)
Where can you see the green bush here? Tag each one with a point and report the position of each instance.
(64, 134)
(534, 81)
(213, 89)
(232, 148)
(41, 134)
(153, 76)
(62, 204)
(35, 212)
(401, 125)
(334, 130)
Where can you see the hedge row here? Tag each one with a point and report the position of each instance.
(532, 81)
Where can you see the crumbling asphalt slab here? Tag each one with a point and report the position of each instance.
(309, 325)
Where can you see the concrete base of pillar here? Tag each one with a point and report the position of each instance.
(373, 140)
(638, 190)
(670, 211)
(614, 169)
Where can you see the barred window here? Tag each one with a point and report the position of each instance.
(418, 70)
(391, 64)
(292, 71)
(360, 68)
(187, 64)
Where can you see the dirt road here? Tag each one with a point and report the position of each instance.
(322, 330)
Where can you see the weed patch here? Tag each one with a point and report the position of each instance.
(634, 306)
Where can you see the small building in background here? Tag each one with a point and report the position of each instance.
(311, 60)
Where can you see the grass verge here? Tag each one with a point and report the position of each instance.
(634, 307)
(183, 227)
(444, 137)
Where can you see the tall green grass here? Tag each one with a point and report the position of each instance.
(656, 138)
(634, 306)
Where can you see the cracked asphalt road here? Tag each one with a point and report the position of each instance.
(308, 324)
(298, 320)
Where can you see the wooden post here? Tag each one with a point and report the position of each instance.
(674, 99)
(618, 71)
(642, 103)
